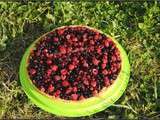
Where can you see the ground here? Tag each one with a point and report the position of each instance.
(135, 26)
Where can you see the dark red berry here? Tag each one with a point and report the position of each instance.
(32, 71)
(49, 62)
(55, 39)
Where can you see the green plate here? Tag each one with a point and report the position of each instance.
(84, 107)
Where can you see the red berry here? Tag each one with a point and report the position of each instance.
(103, 65)
(96, 37)
(113, 69)
(38, 53)
(45, 50)
(50, 88)
(69, 49)
(95, 71)
(106, 81)
(54, 67)
(95, 61)
(57, 77)
(91, 42)
(86, 82)
(74, 59)
(64, 72)
(60, 32)
(74, 89)
(57, 93)
(49, 62)
(74, 39)
(55, 39)
(85, 64)
(49, 72)
(42, 89)
(75, 83)
(63, 77)
(62, 50)
(71, 67)
(65, 83)
(74, 96)
(68, 36)
(93, 83)
(50, 56)
(104, 60)
(69, 90)
(91, 88)
(98, 50)
(106, 43)
(91, 49)
(104, 72)
(85, 35)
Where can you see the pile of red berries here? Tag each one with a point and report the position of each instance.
(74, 63)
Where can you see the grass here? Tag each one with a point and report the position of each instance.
(135, 25)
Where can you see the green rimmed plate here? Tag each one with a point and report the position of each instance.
(85, 107)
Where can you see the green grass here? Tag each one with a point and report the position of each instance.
(135, 25)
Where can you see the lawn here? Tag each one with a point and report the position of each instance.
(135, 25)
